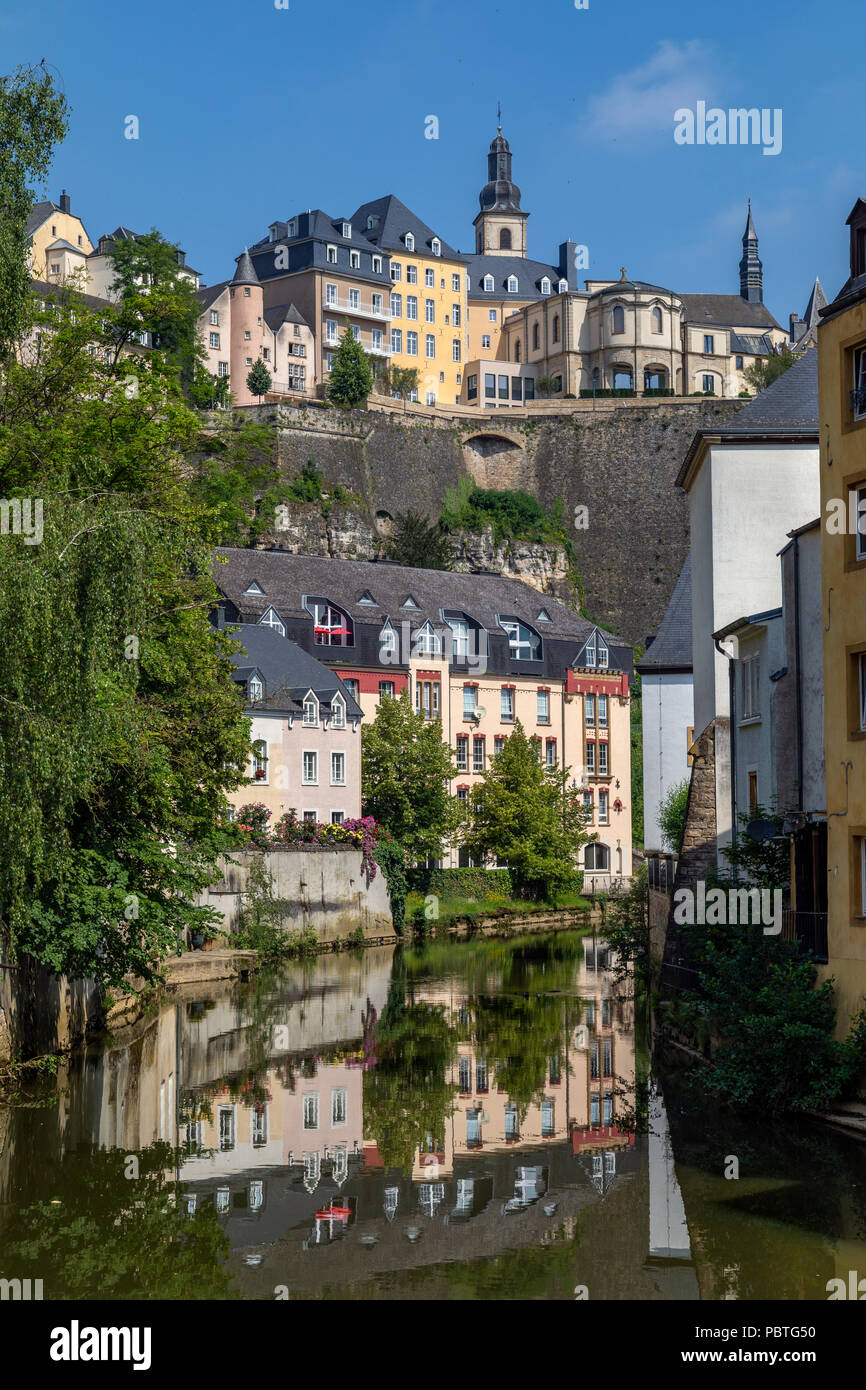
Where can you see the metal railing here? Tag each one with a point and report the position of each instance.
(809, 928)
(364, 311)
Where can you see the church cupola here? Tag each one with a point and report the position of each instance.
(500, 227)
(751, 270)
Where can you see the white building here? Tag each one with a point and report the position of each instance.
(667, 707)
(750, 484)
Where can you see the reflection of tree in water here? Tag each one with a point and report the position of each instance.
(800, 1188)
(406, 1095)
(520, 1035)
(106, 1235)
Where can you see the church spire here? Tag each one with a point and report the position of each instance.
(500, 226)
(751, 269)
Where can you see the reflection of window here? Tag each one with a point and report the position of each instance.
(473, 1127)
(341, 1163)
(338, 1107)
(593, 1061)
(223, 1199)
(390, 1200)
(595, 1109)
(256, 1194)
(311, 1111)
(312, 1168)
(259, 1128)
(464, 1072)
(431, 1195)
(511, 1122)
(481, 1076)
(547, 1118)
(607, 1056)
(226, 1128)
(608, 1108)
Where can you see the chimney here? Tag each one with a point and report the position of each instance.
(796, 327)
(64, 201)
(567, 263)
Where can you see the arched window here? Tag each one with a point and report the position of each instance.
(488, 284)
(260, 760)
(505, 239)
(436, 246)
(512, 284)
(618, 319)
(535, 335)
(597, 856)
(562, 287)
(410, 242)
(545, 286)
(556, 328)
(657, 320)
(523, 643)
(333, 627)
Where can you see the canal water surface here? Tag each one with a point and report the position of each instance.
(457, 1121)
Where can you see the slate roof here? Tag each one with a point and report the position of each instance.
(788, 408)
(245, 273)
(286, 577)
(47, 289)
(207, 294)
(529, 276)
(395, 220)
(672, 648)
(322, 227)
(61, 244)
(286, 671)
(279, 314)
(39, 213)
(726, 311)
(622, 286)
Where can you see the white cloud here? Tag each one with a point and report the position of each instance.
(641, 103)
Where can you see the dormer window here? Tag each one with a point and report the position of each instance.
(377, 265)
(544, 617)
(332, 627)
(409, 602)
(371, 222)
(332, 255)
(409, 241)
(512, 284)
(387, 639)
(293, 228)
(311, 710)
(427, 641)
(255, 690)
(367, 598)
(355, 260)
(338, 712)
(255, 589)
(488, 284)
(436, 246)
(271, 618)
(562, 287)
(523, 643)
(595, 653)
(347, 230)
(545, 286)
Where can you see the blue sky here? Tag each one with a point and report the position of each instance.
(249, 113)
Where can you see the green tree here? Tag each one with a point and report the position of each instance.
(672, 815)
(525, 816)
(548, 385)
(405, 772)
(420, 543)
(119, 723)
(351, 379)
(258, 379)
(765, 370)
(403, 380)
(156, 298)
(33, 120)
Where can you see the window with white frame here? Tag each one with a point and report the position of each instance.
(436, 246)
(462, 753)
(214, 317)
(603, 655)
(470, 700)
(543, 706)
(332, 255)
(498, 744)
(356, 333)
(512, 284)
(226, 1128)
(338, 712)
(331, 626)
(337, 817)
(545, 286)
(750, 687)
(430, 346)
(377, 265)
(478, 742)
(429, 310)
(311, 710)
(588, 808)
(330, 294)
(411, 275)
(590, 710)
(271, 618)
(260, 760)
(488, 284)
(396, 271)
(330, 331)
(602, 711)
(550, 752)
(311, 768)
(860, 522)
(523, 643)
(396, 340)
(602, 759)
(411, 306)
(455, 350)
(386, 690)
(214, 340)
(354, 299)
(355, 260)
(603, 804)
(590, 757)
(259, 1127)
(387, 639)
(353, 686)
(412, 346)
(507, 704)
(255, 690)
(311, 1110)
(338, 769)
(397, 306)
(427, 641)
(347, 231)
(338, 1107)
(455, 315)
(485, 340)
(429, 278)
(409, 241)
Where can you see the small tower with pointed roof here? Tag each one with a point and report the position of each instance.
(247, 323)
(751, 270)
(500, 227)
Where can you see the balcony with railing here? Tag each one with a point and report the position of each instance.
(809, 928)
(363, 311)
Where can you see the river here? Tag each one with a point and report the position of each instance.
(451, 1121)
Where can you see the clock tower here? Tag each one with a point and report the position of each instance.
(500, 227)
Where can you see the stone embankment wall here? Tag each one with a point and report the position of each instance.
(41, 1012)
(618, 460)
(323, 890)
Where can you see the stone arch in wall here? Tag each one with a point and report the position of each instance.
(494, 460)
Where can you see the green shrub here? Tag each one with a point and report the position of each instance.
(476, 884)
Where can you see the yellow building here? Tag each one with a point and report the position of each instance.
(428, 298)
(842, 398)
(59, 241)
